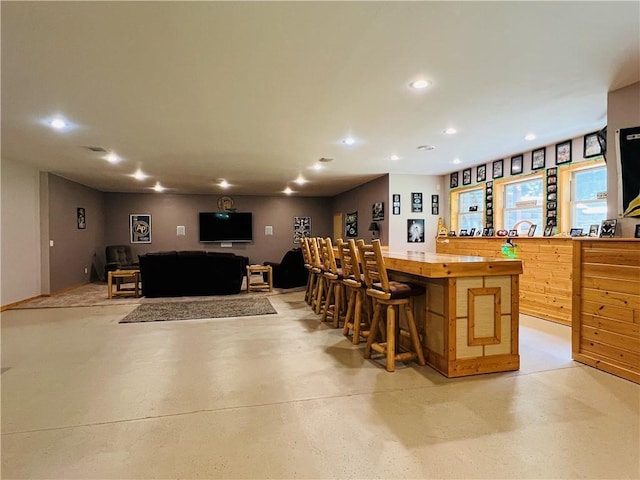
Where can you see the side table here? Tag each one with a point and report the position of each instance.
(254, 271)
(121, 276)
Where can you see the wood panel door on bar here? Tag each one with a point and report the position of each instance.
(606, 305)
(545, 284)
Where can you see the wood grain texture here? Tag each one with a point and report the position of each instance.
(606, 306)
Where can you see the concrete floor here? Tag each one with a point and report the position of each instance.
(282, 396)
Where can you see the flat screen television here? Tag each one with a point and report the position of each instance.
(226, 227)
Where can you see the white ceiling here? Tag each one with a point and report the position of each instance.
(256, 93)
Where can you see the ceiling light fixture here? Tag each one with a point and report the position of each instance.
(420, 84)
(300, 180)
(224, 184)
(288, 191)
(158, 187)
(457, 161)
(349, 141)
(530, 136)
(58, 123)
(111, 157)
(450, 131)
(426, 147)
(140, 175)
(394, 157)
(317, 166)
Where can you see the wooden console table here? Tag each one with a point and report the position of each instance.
(470, 317)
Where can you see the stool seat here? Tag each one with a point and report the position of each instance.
(396, 290)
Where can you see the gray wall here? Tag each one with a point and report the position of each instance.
(361, 199)
(73, 248)
(169, 211)
(623, 111)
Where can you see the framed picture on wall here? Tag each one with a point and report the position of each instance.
(377, 211)
(415, 230)
(81, 218)
(497, 169)
(481, 173)
(301, 228)
(453, 180)
(563, 152)
(140, 228)
(416, 202)
(466, 176)
(516, 165)
(538, 159)
(592, 146)
(351, 225)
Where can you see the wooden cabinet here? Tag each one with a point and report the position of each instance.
(545, 284)
(606, 305)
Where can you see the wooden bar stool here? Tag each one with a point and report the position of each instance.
(333, 280)
(311, 275)
(358, 307)
(320, 293)
(391, 294)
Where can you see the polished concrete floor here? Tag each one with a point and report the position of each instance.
(283, 396)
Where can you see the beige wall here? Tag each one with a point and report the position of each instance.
(170, 211)
(623, 111)
(361, 200)
(20, 232)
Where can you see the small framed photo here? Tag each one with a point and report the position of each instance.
(490, 232)
(416, 202)
(497, 169)
(552, 172)
(485, 232)
(513, 233)
(552, 205)
(608, 228)
(516, 165)
(377, 212)
(435, 199)
(593, 230)
(538, 159)
(453, 180)
(552, 188)
(547, 231)
(532, 231)
(396, 209)
(552, 197)
(472, 232)
(81, 218)
(563, 152)
(435, 209)
(552, 180)
(575, 232)
(637, 235)
(466, 176)
(464, 232)
(396, 198)
(481, 173)
(592, 146)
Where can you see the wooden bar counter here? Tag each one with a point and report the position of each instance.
(470, 316)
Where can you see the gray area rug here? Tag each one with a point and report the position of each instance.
(234, 307)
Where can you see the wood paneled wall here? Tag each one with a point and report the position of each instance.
(545, 284)
(606, 305)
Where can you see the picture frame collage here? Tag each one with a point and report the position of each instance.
(552, 202)
(396, 204)
(435, 204)
(488, 210)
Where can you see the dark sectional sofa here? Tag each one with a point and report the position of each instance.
(188, 273)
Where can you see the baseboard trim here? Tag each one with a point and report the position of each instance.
(9, 306)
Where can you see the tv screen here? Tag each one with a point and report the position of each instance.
(226, 227)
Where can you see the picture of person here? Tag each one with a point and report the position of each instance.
(415, 231)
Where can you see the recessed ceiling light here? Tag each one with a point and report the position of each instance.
(530, 136)
(420, 84)
(394, 157)
(457, 161)
(111, 157)
(349, 141)
(317, 166)
(300, 180)
(426, 147)
(58, 123)
(140, 175)
(450, 131)
(288, 191)
(158, 187)
(224, 184)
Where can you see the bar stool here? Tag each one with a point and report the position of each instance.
(358, 301)
(311, 275)
(320, 293)
(333, 280)
(391, 294)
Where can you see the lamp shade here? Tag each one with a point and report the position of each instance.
(374, 227)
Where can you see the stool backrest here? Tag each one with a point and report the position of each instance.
(373, 264)
(349, 259)
(327, 256)
(315, 253)
(306, 252)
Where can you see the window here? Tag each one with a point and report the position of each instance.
(471, 209)
(586, 208)
(523, 202)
